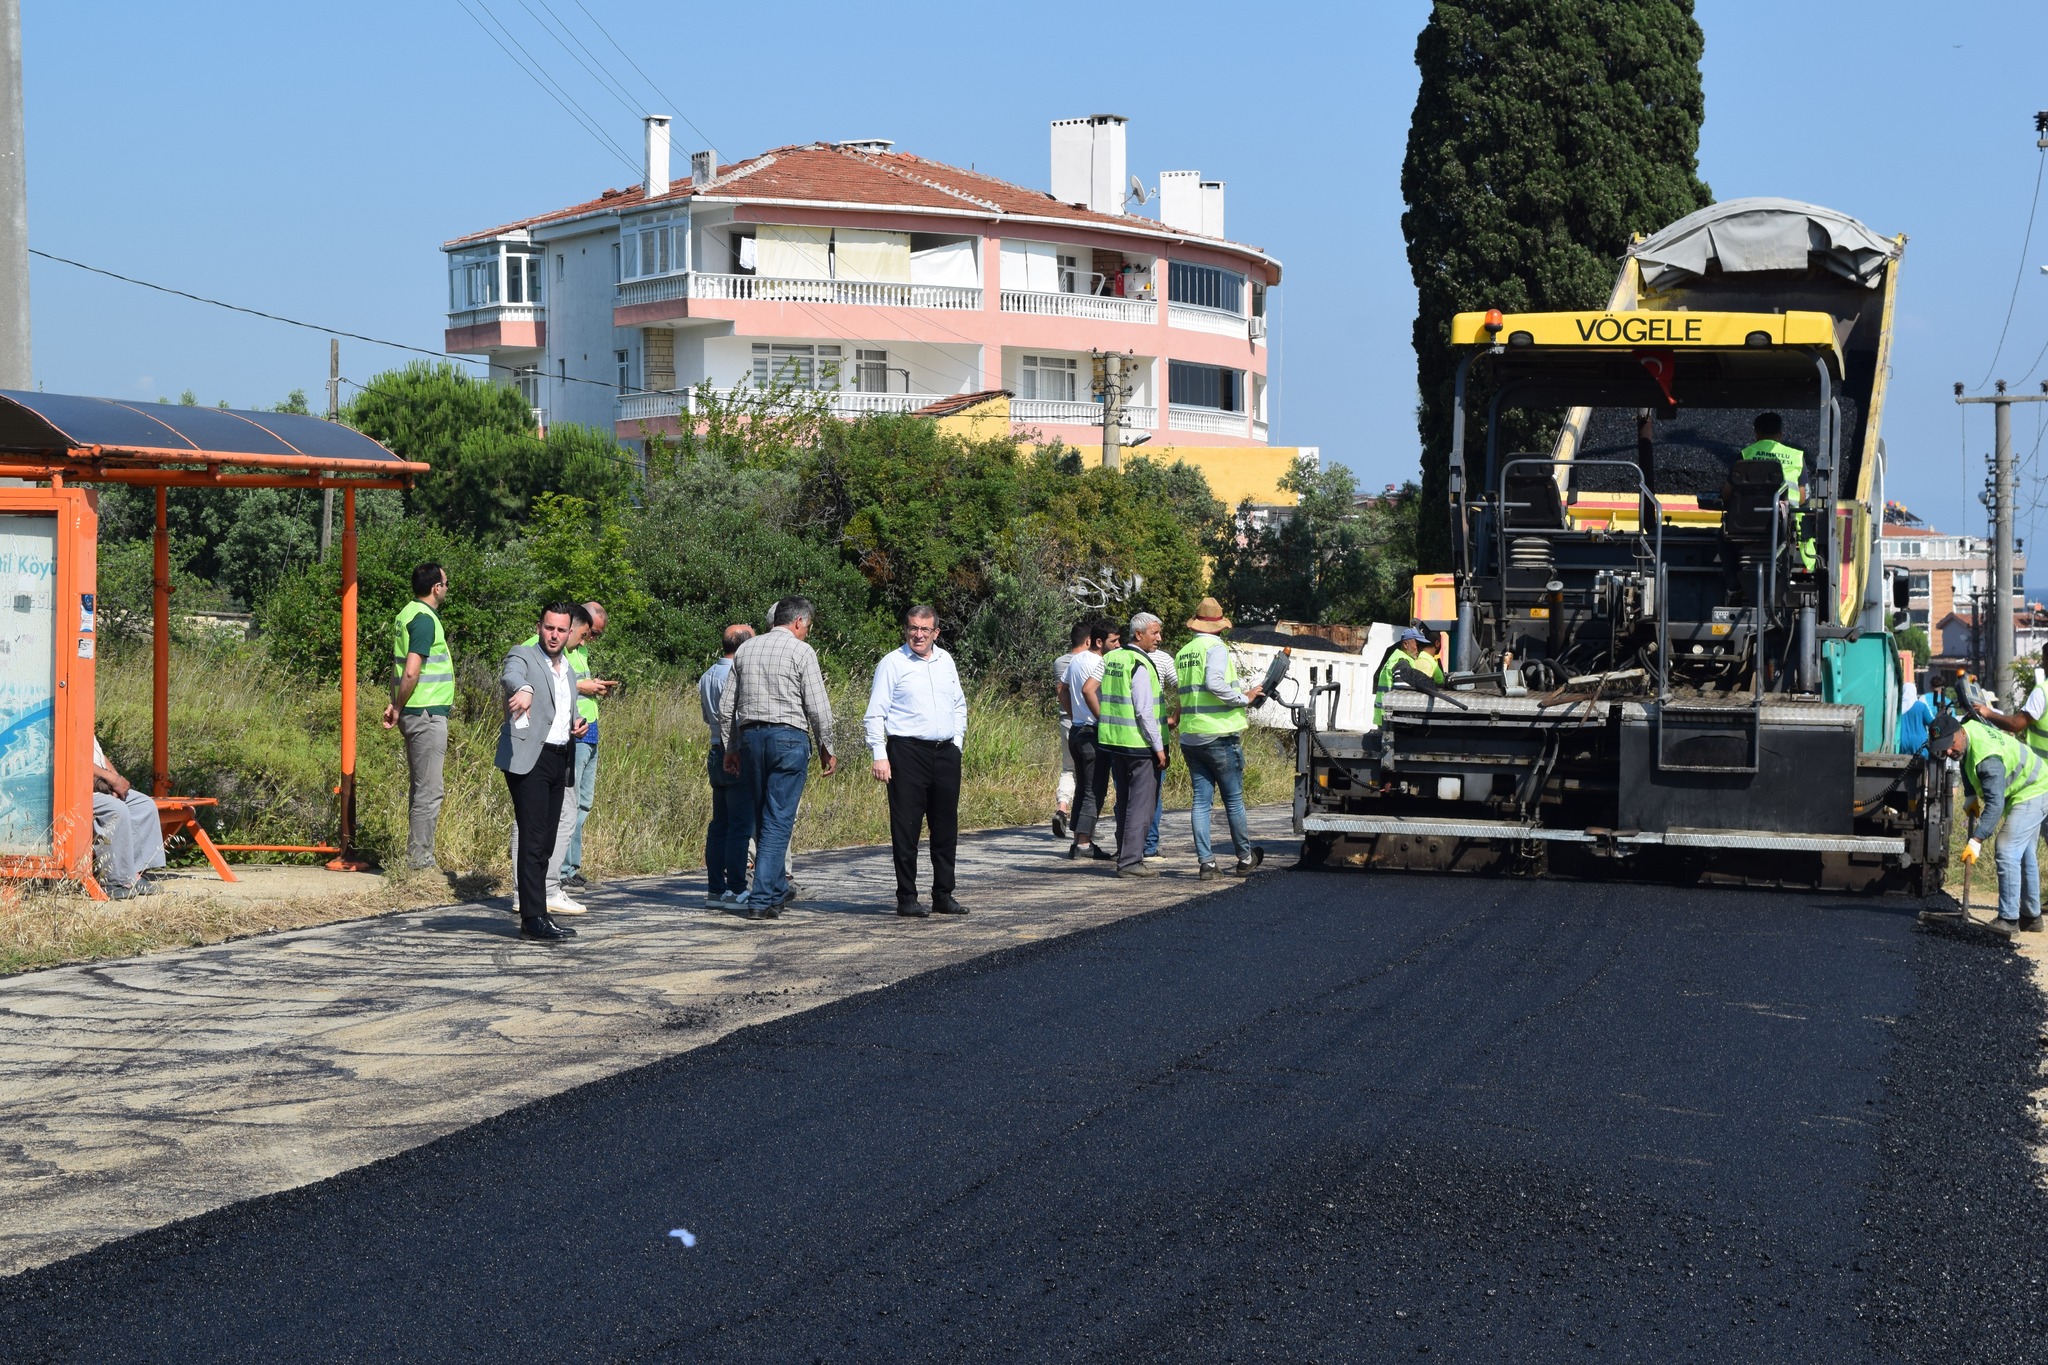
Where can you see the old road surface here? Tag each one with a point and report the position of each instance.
(1317, 1117)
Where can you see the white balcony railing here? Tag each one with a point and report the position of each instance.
(649, 407)
(1095, 307)
(1258, 428)
(1209, 421)
(773, 289)
(1194, 319)
(497, 312)
(1055, 410)
(1141, 418)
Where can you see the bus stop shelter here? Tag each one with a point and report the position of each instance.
(53, 444)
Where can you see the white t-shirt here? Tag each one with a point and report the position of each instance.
(1059, 675)
(1080, 668)
(2036, 704)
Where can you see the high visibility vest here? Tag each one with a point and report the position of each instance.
(1424, 663)
(1202, 712)
(1791, 460)
(2026, 772)
(1118, 728)
(2037, 730)
(436, 686)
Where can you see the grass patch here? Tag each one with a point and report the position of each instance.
(266, 744)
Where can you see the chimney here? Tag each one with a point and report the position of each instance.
(1212, 209)
(655, 180)
(1088, 164)
(1180, 200)
(703, 167)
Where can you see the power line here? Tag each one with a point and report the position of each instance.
(673, 104)
(2018, 275)
(569, 107)
(604, 80)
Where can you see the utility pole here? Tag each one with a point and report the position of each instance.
(333, 415)
(16, 372)
(1999, 675)
(1111, 366)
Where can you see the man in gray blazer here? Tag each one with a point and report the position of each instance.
(533, 753)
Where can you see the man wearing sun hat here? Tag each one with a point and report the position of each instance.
(1212, 717)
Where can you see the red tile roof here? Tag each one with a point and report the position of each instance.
(829, 173)
(961, 402)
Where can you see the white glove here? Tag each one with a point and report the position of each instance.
(1971, 851)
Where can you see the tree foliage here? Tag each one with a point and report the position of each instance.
(1339, 558)
(1545, 134)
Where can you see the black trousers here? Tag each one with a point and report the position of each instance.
(1091, 780)
(1137, 786)
(924, 787)
(537, 809)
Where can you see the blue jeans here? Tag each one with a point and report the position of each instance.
(775, 759)
(586, 788)
(2019, 866)
(731, 828)
(1218, 765)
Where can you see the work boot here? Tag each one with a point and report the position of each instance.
(943, 902)
(1138, 870)
(2004, 927)
(2031, 925)
(1207, 873)
(1246, 866)
(912, 908)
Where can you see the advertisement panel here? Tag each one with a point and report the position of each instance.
(28, 681)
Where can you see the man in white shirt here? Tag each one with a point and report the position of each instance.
(533, 752)
(1063, 796)
(916, 723)
(1091, 767)
(2030, 722)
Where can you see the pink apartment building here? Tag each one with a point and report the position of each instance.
(884, 281)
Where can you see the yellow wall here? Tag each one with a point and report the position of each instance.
(1234, 472)
(983, 422)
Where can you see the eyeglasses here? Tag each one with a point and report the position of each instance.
(921, 630)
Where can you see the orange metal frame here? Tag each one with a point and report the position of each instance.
(77, 571)
(70, 856)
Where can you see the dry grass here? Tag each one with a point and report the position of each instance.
(267, 745)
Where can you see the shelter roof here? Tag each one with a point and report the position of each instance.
(40, 427)
(961, 402)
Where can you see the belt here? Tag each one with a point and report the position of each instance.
(917, 739)
(767, 725)
(562, 748)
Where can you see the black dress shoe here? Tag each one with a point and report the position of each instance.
(912, 909)
(541, 929)
(946, 905)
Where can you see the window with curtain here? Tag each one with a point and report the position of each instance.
(1205, 386)
(799, 365)
(1048, 377)
(1031, 266)
(653, 246)
(1204, 286)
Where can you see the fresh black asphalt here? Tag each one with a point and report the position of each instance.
(1322, 1117)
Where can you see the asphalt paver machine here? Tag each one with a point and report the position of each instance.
(1666, 662)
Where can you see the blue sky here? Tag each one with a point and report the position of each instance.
(308, 161)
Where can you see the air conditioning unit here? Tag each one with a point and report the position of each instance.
(1258, 328)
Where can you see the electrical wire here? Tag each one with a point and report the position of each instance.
(603, 78)
(672, 103)
(2020, 274)
(569, 106)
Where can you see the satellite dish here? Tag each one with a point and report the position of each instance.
(1138, 193)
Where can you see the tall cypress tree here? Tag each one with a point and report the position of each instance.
(1546, 133)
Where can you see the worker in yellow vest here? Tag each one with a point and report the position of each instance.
(1131, 732)
(2007, 784)
(422, 694)
(1769, 426)
(2030, 722)
(1408, 649)
(1212, 717)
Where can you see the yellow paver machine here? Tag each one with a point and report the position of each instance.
(1671, 654)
